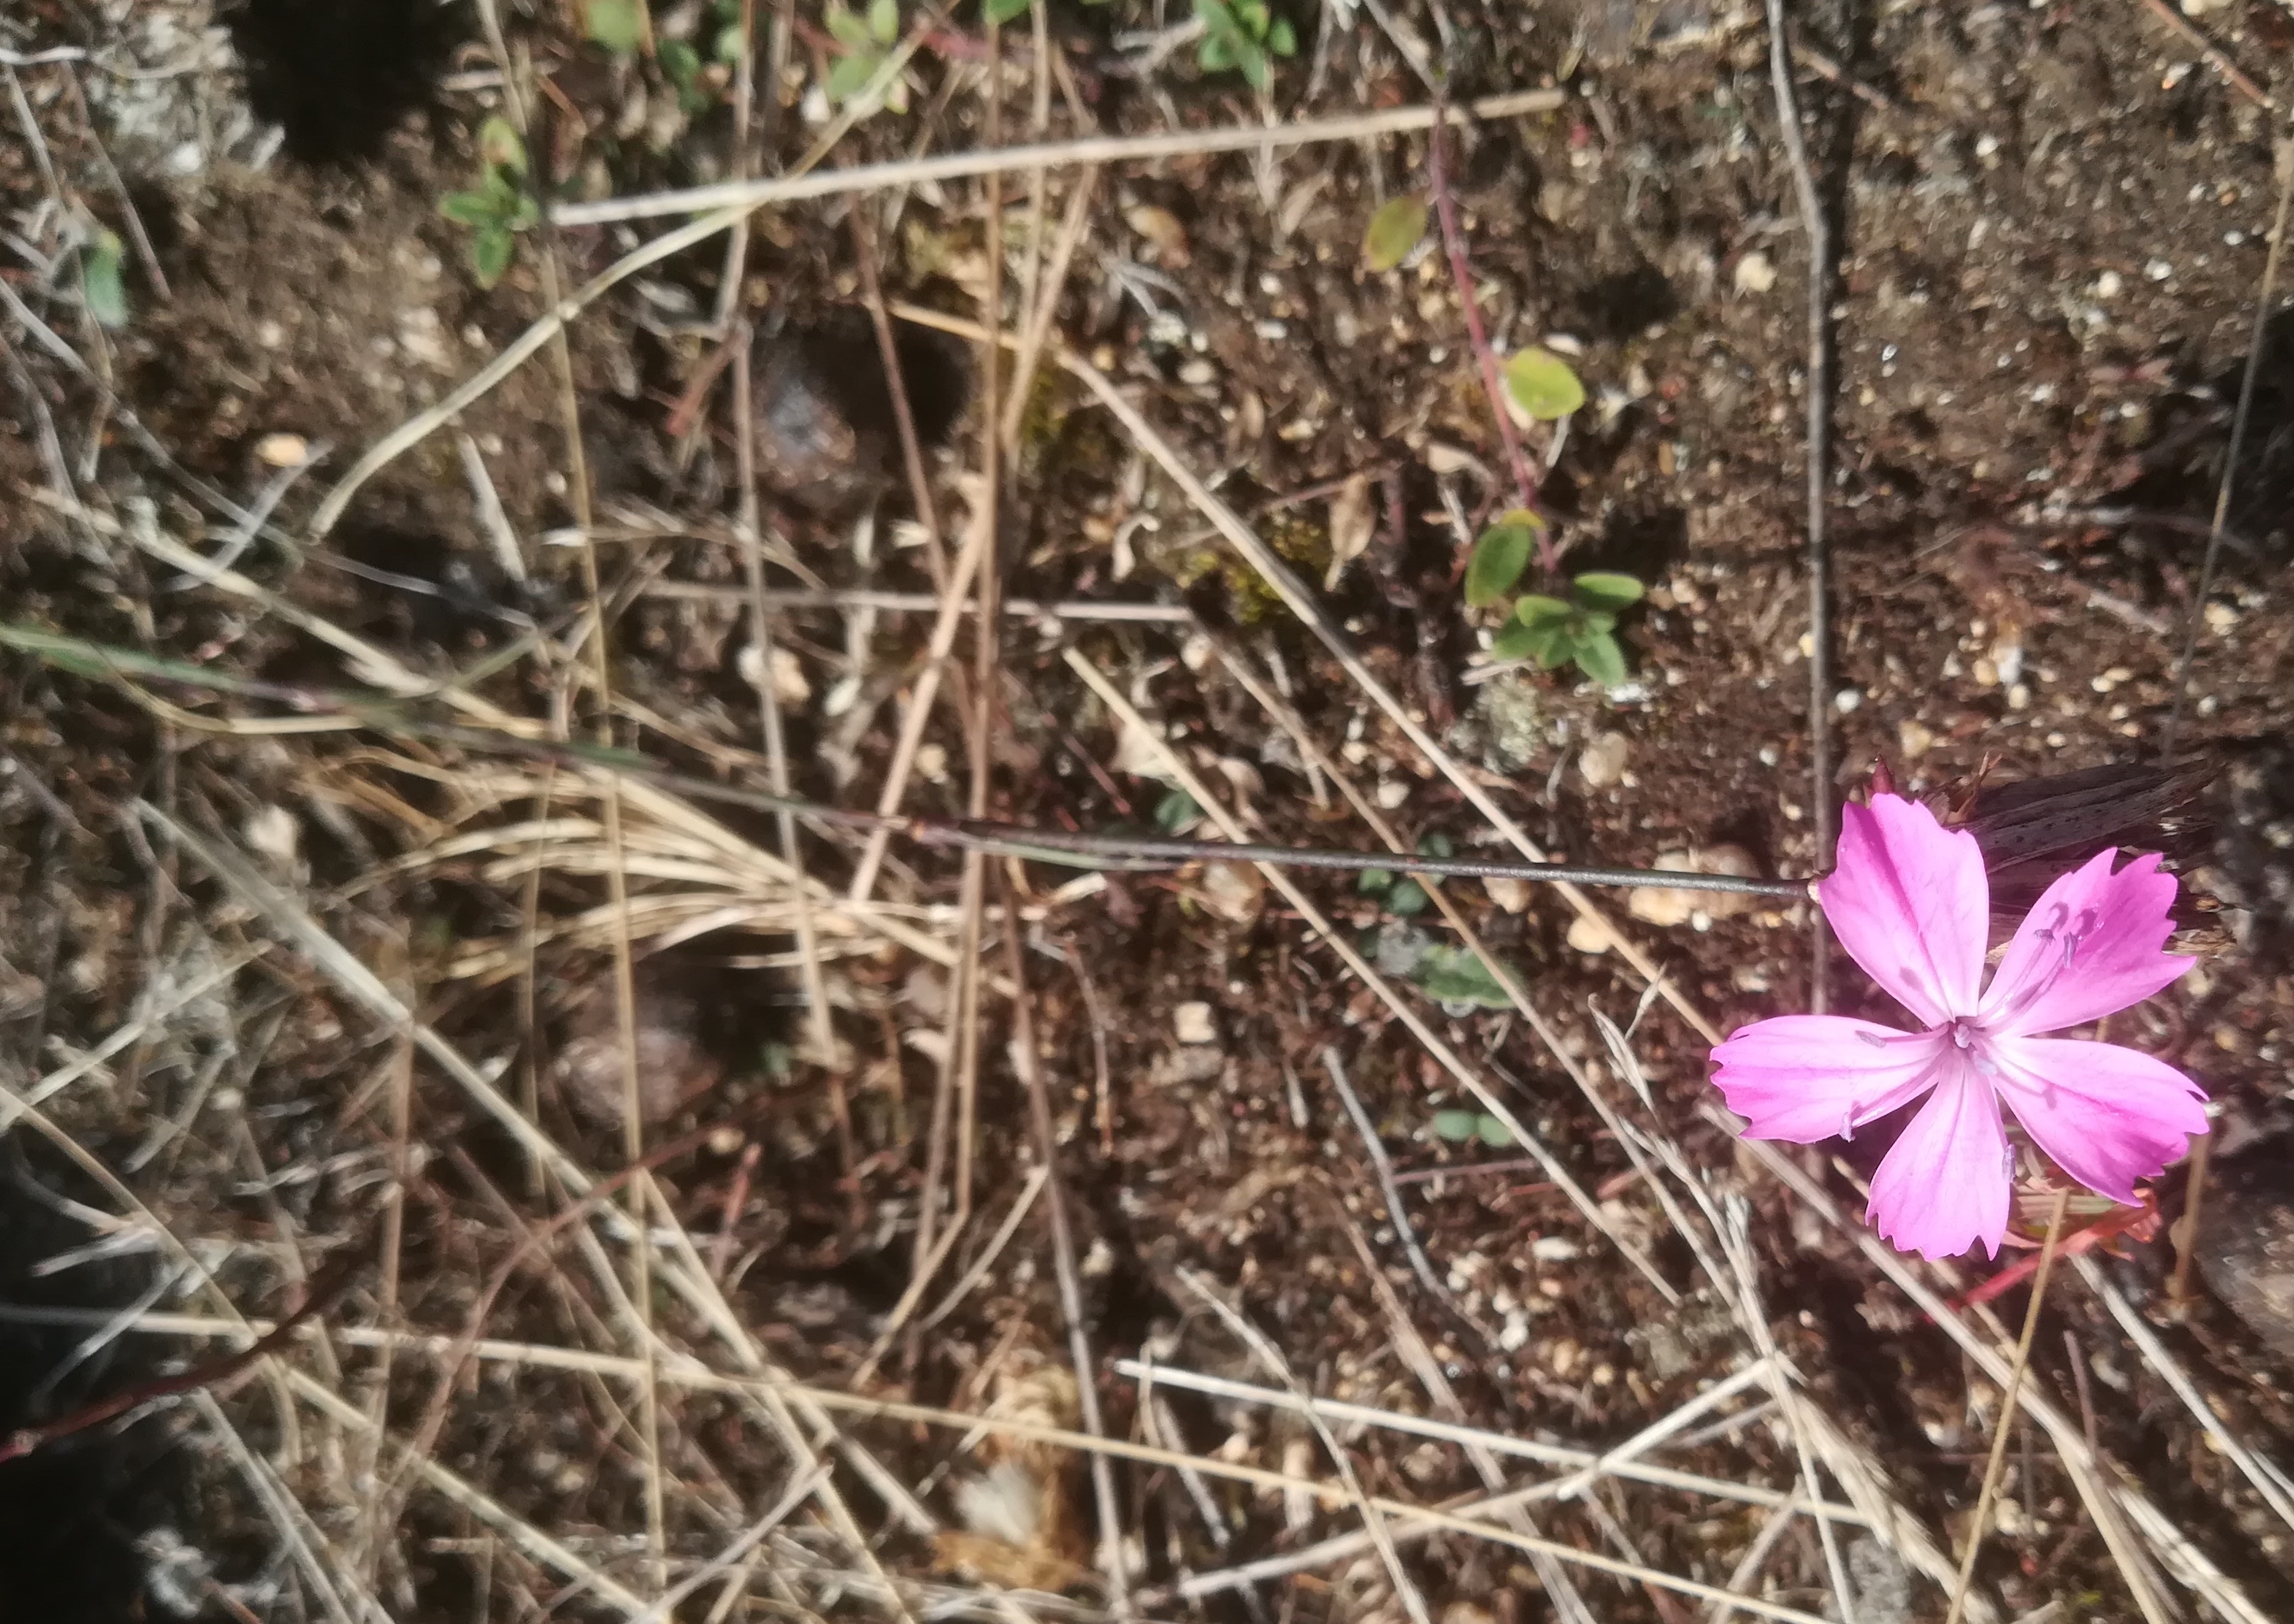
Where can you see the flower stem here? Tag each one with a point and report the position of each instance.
(2007, 1423)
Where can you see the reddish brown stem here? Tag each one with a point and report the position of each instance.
(1453, 244)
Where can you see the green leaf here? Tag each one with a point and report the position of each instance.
(1599, 658)
(848, 29)
(1458, 1128)
(1606, 589)
(1450, 975)
(1282, 38)
(469, 208)
(1543, 384)
(1516, 641)
(1535, 609)
(885, 20)
(1257, 72)
(498, 146)
(1215, 54)
(1597, 620)
(1407, 899)
(618, 25)
(1003, 10)
(680, 63)
(1498, 560)
(1395, 231)
(489, 254)
(1491, 1133)
(1434, 843)
(1175, 811)
(732, 44)
(1373, 881)
(1552, 642)
(101, 285)
(524, 212)
(849, 76)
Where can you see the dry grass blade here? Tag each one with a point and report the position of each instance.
(1451, 1061)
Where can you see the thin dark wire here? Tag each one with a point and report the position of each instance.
(1818, 386)
(2195, 622)
(1010, 839)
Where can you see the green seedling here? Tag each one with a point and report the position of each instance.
(1395, 233)
(1398, 894)
(1543, 384)
(1466, 1127)
(1552, 632)
(617, 24)
(1176, 813)
(1581, 632)
(499, 206)
(866, 43)
(1243, 35)
(103, 284)
(1459, 981)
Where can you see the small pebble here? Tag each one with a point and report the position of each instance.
(1913, 738)
(282, 451)
(1756, 272)
(1602, 762)
(1191, 1023)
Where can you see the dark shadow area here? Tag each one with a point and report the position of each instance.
(71, 1513)
(2181, 469)
(338, 76)
(827, 433)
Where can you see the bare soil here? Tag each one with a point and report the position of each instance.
(2051, 226)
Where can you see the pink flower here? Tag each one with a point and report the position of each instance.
(1910, 902)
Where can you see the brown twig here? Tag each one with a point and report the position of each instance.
(324, 1293)
(2215, 58)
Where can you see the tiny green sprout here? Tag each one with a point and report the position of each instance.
(1500, 557)
(103, 286)
(1395, 233)
(1459, 981)
(1001, 12)
(1174, 812)
(1465, 1127)
(499, 206)
(1243, 35)
(680, 65)
(866, 43)
(1582, 630)
(617, 24)
(1543, 384)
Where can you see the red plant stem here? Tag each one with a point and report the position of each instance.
(1453, 243)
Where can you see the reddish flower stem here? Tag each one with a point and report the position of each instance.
(1453, 243)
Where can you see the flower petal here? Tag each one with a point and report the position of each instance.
(1802, 1078)
(1908, 901)
(1944, 1184)
(2089, 947)
(2108, 1116)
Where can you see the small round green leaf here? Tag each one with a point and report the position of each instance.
(1599, 658)
(1395, 233)
(1005, 10)
(1535, 609)
(1458, 1128)
(1498, 560)
(1543, 384)
(1491, 1133)
(101, 281)
(1606, 589)
(1373, 881)
(885, 20)
(1514, 641)
(1282, 38)
(1175, 811)
(489, 254)
(469, 208)
(618, 25)
(1408, 898)
(498, 146)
